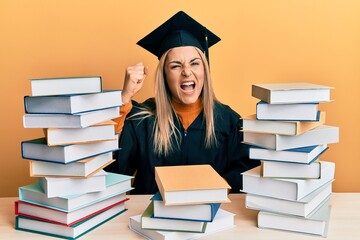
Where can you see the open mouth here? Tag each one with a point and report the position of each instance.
(188, 86)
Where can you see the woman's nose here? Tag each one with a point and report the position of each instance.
(186, 72)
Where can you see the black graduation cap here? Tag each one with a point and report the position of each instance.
(179, 30)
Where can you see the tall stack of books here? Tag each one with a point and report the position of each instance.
(72, 194)
(292, 187)
(187, 205)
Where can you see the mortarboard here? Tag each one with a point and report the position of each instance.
(179, 30)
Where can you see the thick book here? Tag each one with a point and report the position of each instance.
(58, 187)
(303, 155)
(283, 188)
(289, 112)
(99, 132)
(162, 224)
(295, 92)
(251, 124)
(81, 169)
(323, 134)
(115, 184)
(37, 149)
(194, 212)
(223, 221)
(191, 184)
(275, 169)
(316, 224)
(78, 120)
(70, 232)
(302, 207)
(65, 85)
(46, 214)
(71, 104)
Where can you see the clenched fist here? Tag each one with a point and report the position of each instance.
(134, 80)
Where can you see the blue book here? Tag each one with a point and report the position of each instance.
(197, 212)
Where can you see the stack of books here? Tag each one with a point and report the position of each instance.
(72, 194)
(187, 205)
(292, 187)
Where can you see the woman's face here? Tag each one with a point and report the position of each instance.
(184, 73)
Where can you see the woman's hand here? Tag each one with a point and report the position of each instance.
(134, 80)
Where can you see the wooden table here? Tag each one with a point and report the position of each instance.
(344, 221)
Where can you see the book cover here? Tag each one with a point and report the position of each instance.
(275, 169)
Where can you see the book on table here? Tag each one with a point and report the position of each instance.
(287, 112)
(273, 169)
(316, 224)
(57, 187)
(83, 168)
(302, 207)
(303, 155)
(71, 104)
(293, 92)
(251, 124)
(283, 188)
(191, 184)
(323, 134)
(47, 214)
(94, 133)
(223, 220)
(195, 212)
(115, 184)
(162, 224)
(65, 85)
(69, 232)
(37, 149)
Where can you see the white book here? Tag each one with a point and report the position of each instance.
(275, 169)
(79, 120)
(323, 134)
(223, 220)
(302, 207)
(65, 85)
(303, 155)
(283, 188)
(71, 104)
(57, 187)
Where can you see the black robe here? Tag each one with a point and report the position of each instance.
(136, 155)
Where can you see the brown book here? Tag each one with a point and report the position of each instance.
(191, 184)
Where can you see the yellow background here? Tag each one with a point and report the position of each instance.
(263, 41)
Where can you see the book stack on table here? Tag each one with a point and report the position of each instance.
(187, 205)
(72, 194)
(292, 187)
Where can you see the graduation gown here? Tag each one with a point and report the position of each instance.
(136, 156)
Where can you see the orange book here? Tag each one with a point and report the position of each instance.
(191, 184)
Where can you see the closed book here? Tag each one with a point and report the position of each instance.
(251, 124)
(78, 120)
(37, 149)
(46, 214)
(57, 187)
(69, 232)
(274, 169)
(223, 220)
(71, 104)
(302, 207)
(115, 185)
(316, 224)
(161, 224)
(283, 188)
(294, 92)
(195, 212)
(323, 134)
(191, 184)
(82, 168)
(290, 112)
(98, 132)
(303, 155)
(65, 85)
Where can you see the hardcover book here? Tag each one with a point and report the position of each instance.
(275, 169)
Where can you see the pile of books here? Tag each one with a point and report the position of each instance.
(72, 194)
(292, 187)
(187, 205)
